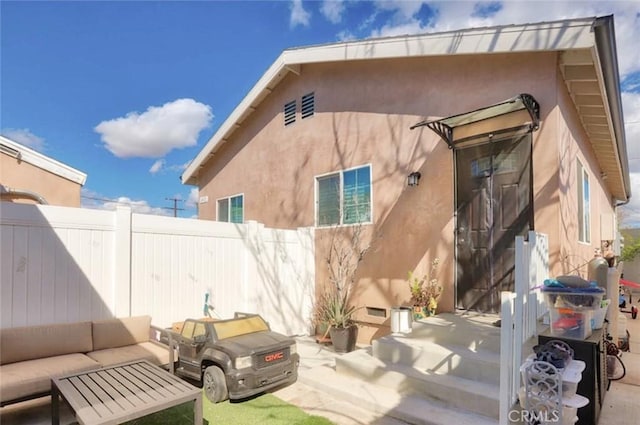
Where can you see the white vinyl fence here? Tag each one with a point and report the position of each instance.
(61, 264)
(519, 314)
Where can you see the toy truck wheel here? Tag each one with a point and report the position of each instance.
(215, 385)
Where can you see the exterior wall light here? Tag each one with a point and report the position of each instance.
(414, 178)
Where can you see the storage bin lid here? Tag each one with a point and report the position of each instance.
(577, 291)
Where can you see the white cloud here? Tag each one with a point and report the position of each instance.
(178, 167)
(140, 206)
(345, 35)
(157, 166)
(156, 131)
(631, 107)
(94, 200)
(299, 16)
(24, 137)
(332, 10)
(194, 197)
(630, 213)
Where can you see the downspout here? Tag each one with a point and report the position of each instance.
(8, 192)
(620, 204)
(605, 41)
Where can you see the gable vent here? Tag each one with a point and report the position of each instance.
(308, 105)
(290, 113)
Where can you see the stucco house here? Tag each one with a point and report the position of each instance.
(506, 129)
(28, 176)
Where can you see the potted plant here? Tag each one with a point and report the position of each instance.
(338, 315)
(345, 251)
(425, 292)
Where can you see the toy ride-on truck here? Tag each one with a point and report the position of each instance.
(235, 358)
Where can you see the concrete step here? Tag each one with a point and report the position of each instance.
(472, 332)
(440, 357)
(449, 390)
(408, 408)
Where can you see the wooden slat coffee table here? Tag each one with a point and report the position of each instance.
(121, 393)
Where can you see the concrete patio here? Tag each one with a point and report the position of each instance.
(349, 400)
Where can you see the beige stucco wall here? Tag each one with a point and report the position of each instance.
(570, 255)
(21, 175)
(363, 114)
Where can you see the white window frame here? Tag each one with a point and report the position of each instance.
(228, 198)
(584, 203)
(341, 174)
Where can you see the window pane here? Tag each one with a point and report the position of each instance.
(237, 210)
(587, 220)
(357, 195)
(223, 210)
(328, 200)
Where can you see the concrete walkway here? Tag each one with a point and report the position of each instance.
(305, 394)
(620, 405)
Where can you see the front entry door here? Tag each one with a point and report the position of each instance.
(493, 205)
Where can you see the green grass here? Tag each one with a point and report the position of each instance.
(265, 409)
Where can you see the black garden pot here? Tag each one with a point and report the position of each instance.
(344, 339)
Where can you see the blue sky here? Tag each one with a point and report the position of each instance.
(129, 92)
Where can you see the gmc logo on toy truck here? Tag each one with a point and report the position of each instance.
(274, 357)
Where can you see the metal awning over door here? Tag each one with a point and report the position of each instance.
(445, 127)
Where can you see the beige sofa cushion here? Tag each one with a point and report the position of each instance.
(34, 342)
(153, 352)
(115, 333)
(34, 376)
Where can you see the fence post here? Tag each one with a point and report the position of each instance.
(306, 238)
(540, 255)
(251, 276)
(122, 259)
(507, 359)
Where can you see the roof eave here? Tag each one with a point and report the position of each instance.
(545, 36)
(605, 42)
(44, 162)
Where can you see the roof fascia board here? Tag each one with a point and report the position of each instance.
(607, 58)
(560, 35)
(546, 36)
(44, 162)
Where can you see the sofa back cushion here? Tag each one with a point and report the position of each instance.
(34, 342)
(114, 333)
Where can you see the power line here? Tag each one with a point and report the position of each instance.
(131, 203)
(105, 200)
(175, 205)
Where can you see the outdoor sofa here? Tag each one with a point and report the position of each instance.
(30, 356)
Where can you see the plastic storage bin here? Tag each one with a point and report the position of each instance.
(569, 323)
(577, 299)
(599, 314)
